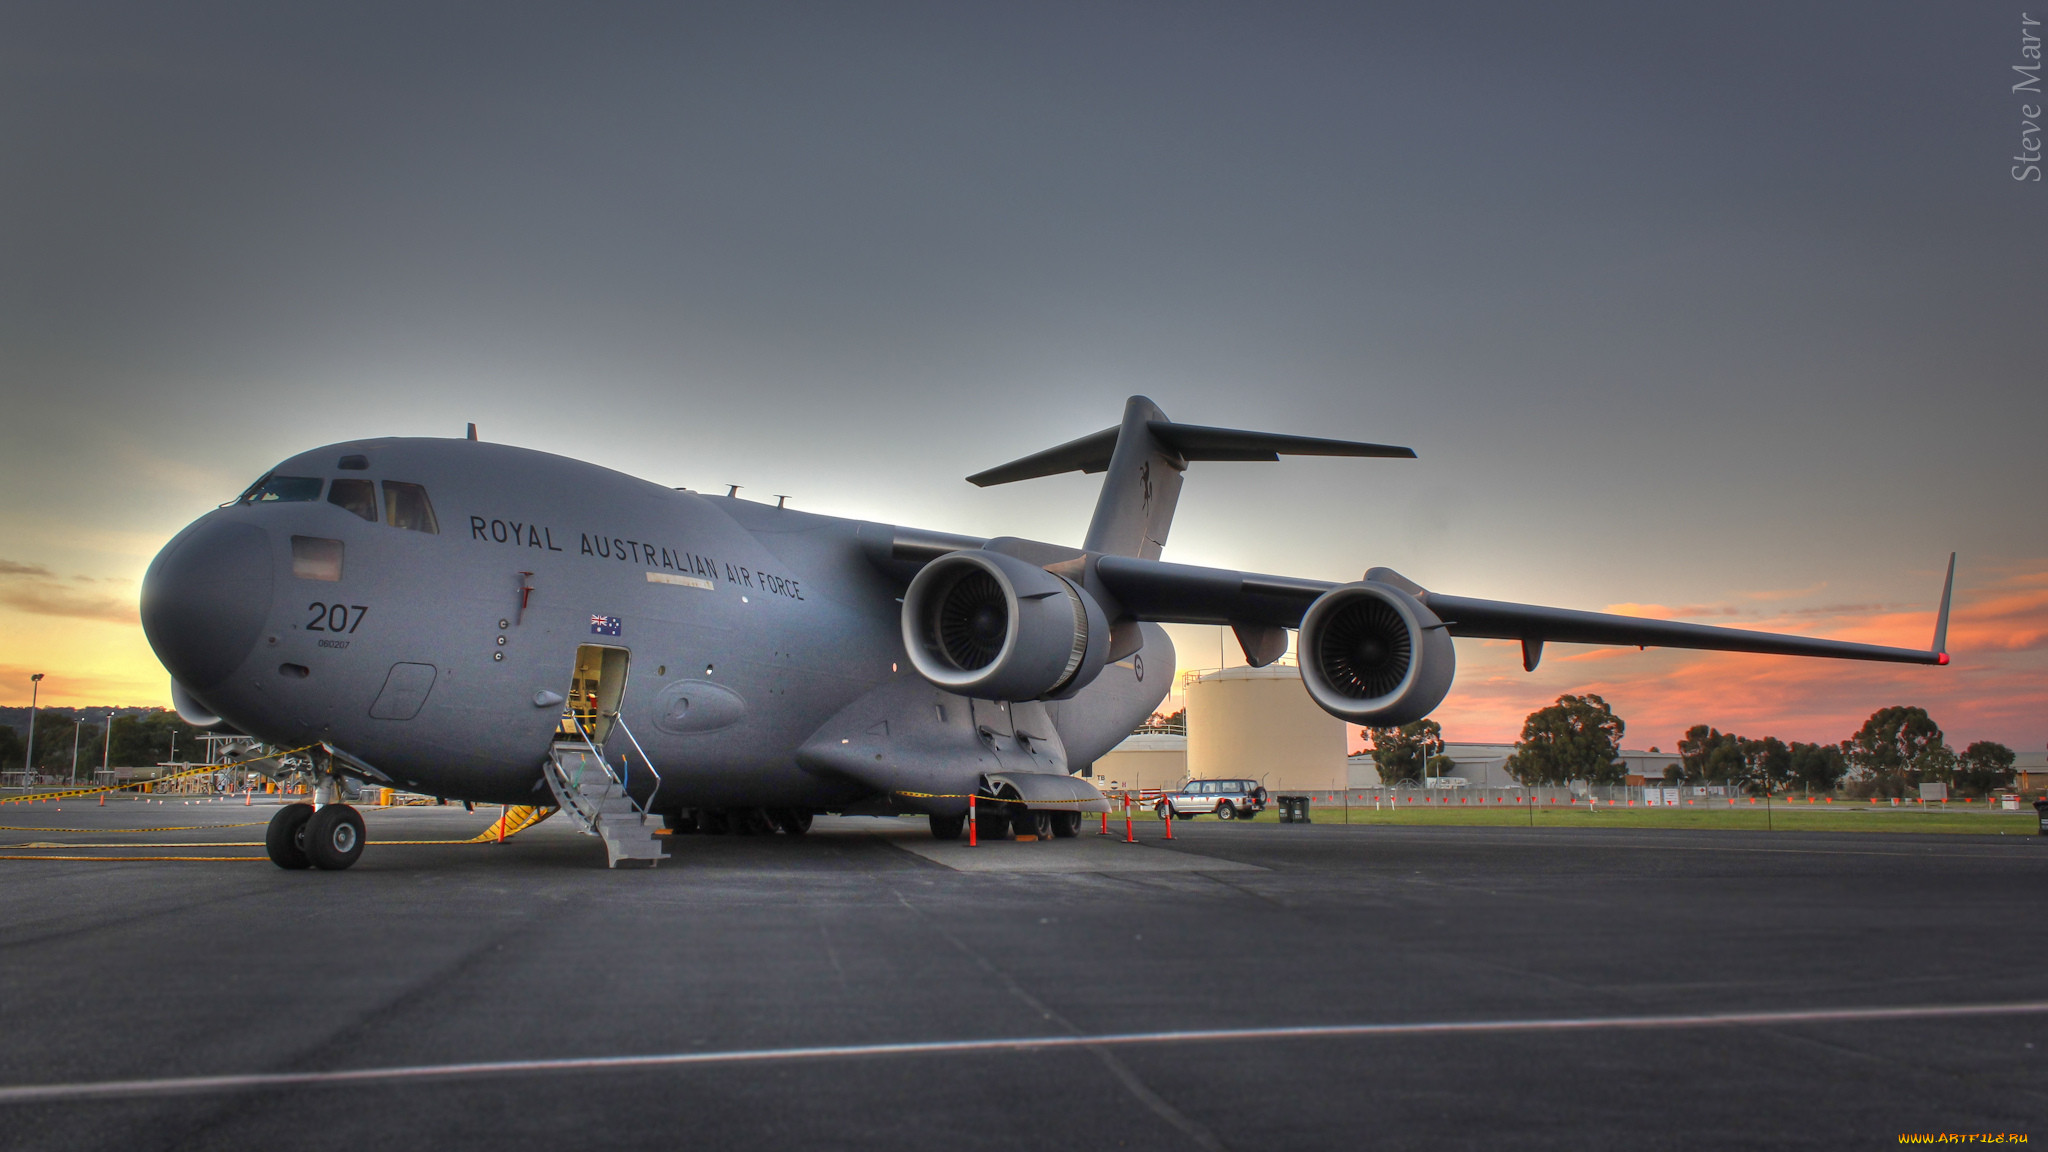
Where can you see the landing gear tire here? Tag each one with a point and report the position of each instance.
(948, 827)
(1066, 825)
(792, 821)
(1029, 823)
(712, 822)
(333, 838)
(991, 825)
(284, 839)
(680, 823)
(1225, 812)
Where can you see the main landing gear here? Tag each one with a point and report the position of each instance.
(992, 823)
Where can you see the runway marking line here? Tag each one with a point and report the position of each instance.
(188, 1085)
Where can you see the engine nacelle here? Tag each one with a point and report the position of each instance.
(992, 626)
(1375, 655)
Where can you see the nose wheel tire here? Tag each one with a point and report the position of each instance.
(1066, 825)
(285, 839)
(948, 827)
(334, 837)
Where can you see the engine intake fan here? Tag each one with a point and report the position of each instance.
(1373, 654)
(990, 625)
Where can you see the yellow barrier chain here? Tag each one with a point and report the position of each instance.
(201, 770)
(179, 828)
(984, 799)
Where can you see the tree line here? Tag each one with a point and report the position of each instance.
(139, 740)
(1579, 738)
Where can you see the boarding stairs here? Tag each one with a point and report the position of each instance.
(593, 794)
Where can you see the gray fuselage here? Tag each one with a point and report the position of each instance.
(440, 659)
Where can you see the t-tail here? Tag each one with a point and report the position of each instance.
(1144, 458)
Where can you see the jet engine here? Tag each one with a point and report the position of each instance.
(989, 625)
(1373, 654)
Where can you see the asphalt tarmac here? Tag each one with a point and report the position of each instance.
(1556, 988)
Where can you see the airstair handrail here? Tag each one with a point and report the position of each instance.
(576, 786)
(644, 759)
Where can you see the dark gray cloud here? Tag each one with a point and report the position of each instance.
(1673, 301)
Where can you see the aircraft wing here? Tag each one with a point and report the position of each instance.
(1185, 594)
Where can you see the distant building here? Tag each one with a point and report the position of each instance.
(1485, 765)
(1145, 760)
(2030, 771)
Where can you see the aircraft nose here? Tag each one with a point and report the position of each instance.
(205, 598)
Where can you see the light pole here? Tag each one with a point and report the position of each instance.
(107, 753)
(28, 760)
(77, 730)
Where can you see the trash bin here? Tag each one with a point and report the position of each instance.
(1294, 810)
(2041, 810)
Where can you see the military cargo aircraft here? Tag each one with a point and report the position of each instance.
(493, 624)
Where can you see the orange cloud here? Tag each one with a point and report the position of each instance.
(38, 591)
(1666, 612)
(1996, 688)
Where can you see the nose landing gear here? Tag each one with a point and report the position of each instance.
(329, 837)
(285, 839)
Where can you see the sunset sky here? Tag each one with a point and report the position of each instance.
(1729, 313)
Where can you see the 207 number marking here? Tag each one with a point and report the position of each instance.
(336, 617)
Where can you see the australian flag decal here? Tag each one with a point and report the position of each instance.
(605, 625)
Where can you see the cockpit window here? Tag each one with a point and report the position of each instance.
(275, 489)
(406, 506)
(358, 496)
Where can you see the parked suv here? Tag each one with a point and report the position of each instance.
(1228, 799)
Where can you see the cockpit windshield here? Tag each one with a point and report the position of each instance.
(275, 489)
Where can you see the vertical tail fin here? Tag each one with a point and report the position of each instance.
(1135, 509)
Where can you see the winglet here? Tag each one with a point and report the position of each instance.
(1941, 618)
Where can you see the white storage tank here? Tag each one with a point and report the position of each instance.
(1260, 723)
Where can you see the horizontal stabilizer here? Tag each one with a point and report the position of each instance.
(1091, 453)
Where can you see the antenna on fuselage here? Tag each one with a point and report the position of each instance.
(781, 501)
(732, 491)
(472, 431)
